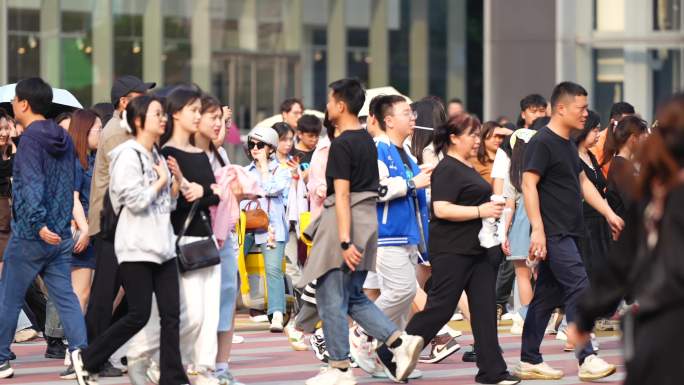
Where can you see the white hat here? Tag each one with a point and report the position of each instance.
(266, 135)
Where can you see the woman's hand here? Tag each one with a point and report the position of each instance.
(174, 168)
(162, 171)
(82, 242)
(491, 209)
(506, 247)
(192, 191)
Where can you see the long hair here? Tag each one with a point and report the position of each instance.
(177, 99)
(79, 128)
(593, 121)
(662, 155)
(431, 114)
(618, 136)
(457, 125)
(209, 105)
(516, 170)
(486, 133)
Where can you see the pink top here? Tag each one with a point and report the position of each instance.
(233, 134)
(226, 214)
(317, 186)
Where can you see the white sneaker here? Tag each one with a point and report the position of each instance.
(554, 322)
(25, 335)
(6, 370)
(262, 318)
(518, 323)
(296, 338)
(595, 342)
(406, 355)
(457, 317)
(238, 339)
(82, 375)
(561, 336)
(277, 322)
(381, 373)
(508, 316)
(543, 371)
(595, 368)
(362, 350)
(205, 378)
(153, 372)
(332, 376)
(452, 332)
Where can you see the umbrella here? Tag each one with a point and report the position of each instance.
(268, 122)
(373, 92)
(62, 100)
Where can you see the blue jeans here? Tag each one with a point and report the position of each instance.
(229, 281)
(275, 278)
(562, 278)
(24, 260)
(339, 294)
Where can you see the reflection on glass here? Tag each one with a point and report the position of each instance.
(667, 74)
(609, 81)
(23, 43)
(77, 49)
(667, 15)
(177, 51)
(128, 44)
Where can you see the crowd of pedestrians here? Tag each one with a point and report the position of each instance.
(121, 228)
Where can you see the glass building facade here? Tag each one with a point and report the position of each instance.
(251, 54)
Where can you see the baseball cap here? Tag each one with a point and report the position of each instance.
(126, 84)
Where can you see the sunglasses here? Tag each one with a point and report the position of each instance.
(258, 145)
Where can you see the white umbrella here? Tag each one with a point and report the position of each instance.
(268, 122)
(373, 92)
(62, 99)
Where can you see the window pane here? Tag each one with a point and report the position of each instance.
(610, 15)
(667, 15)
(609, 82)
(23, 56)
(667, 74)
(77, 49)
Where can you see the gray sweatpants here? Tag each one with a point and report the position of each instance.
(396, 269)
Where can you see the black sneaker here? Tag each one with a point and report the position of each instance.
(12, 356)
(55, 348)
(318, 346)
(6, 370)
(470, 356)
(108, 370)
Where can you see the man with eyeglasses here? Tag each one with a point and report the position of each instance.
(402, 221)
(106, 282)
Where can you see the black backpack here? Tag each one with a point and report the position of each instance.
(109, 218)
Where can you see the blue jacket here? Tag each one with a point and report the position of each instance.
(397, 222)
(43, 188)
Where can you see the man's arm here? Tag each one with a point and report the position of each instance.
(531, 196)
(595, 200)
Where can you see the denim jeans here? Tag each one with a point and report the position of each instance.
(24, 260)
(275, 279)
(53, 327)
(229, 280)
(339, 294)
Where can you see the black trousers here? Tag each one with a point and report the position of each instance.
(143, 279)
(504, 283)
(476, 274)
(106, 284)
(35, 306)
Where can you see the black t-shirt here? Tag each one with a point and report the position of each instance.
(196, 168)
(304, 157)
(353, 157)
(557, 162)
(454, 182)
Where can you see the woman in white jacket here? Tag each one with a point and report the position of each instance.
(144, 194)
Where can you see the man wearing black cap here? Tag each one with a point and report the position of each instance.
(106, 282)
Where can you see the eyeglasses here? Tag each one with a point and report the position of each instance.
(258, 145)
(410, 114)
(158, 115)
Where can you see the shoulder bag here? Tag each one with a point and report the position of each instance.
(198, 254)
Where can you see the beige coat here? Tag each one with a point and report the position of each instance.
(326, 253)
(112, 135)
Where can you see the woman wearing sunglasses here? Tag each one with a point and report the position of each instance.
(274, 179)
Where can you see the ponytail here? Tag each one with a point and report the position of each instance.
(618, 135)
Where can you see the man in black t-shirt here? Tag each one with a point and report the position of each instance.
(553, 186)
(344, 244)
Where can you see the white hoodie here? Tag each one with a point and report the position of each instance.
(144, 232)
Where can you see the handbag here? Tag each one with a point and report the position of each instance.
(257, 219)
(198, 254)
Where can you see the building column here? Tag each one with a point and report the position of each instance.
(378, 37)
(153, 37)
(456, 50)
(103, 52)
(337, 40)
(419, 48)
(638, 83)
(50, 42)
(4, 46)
(584, 68)
(248, 26)
(201, 44)
(292, 25)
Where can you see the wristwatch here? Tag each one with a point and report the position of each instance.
(345, 245)
(411, 184)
